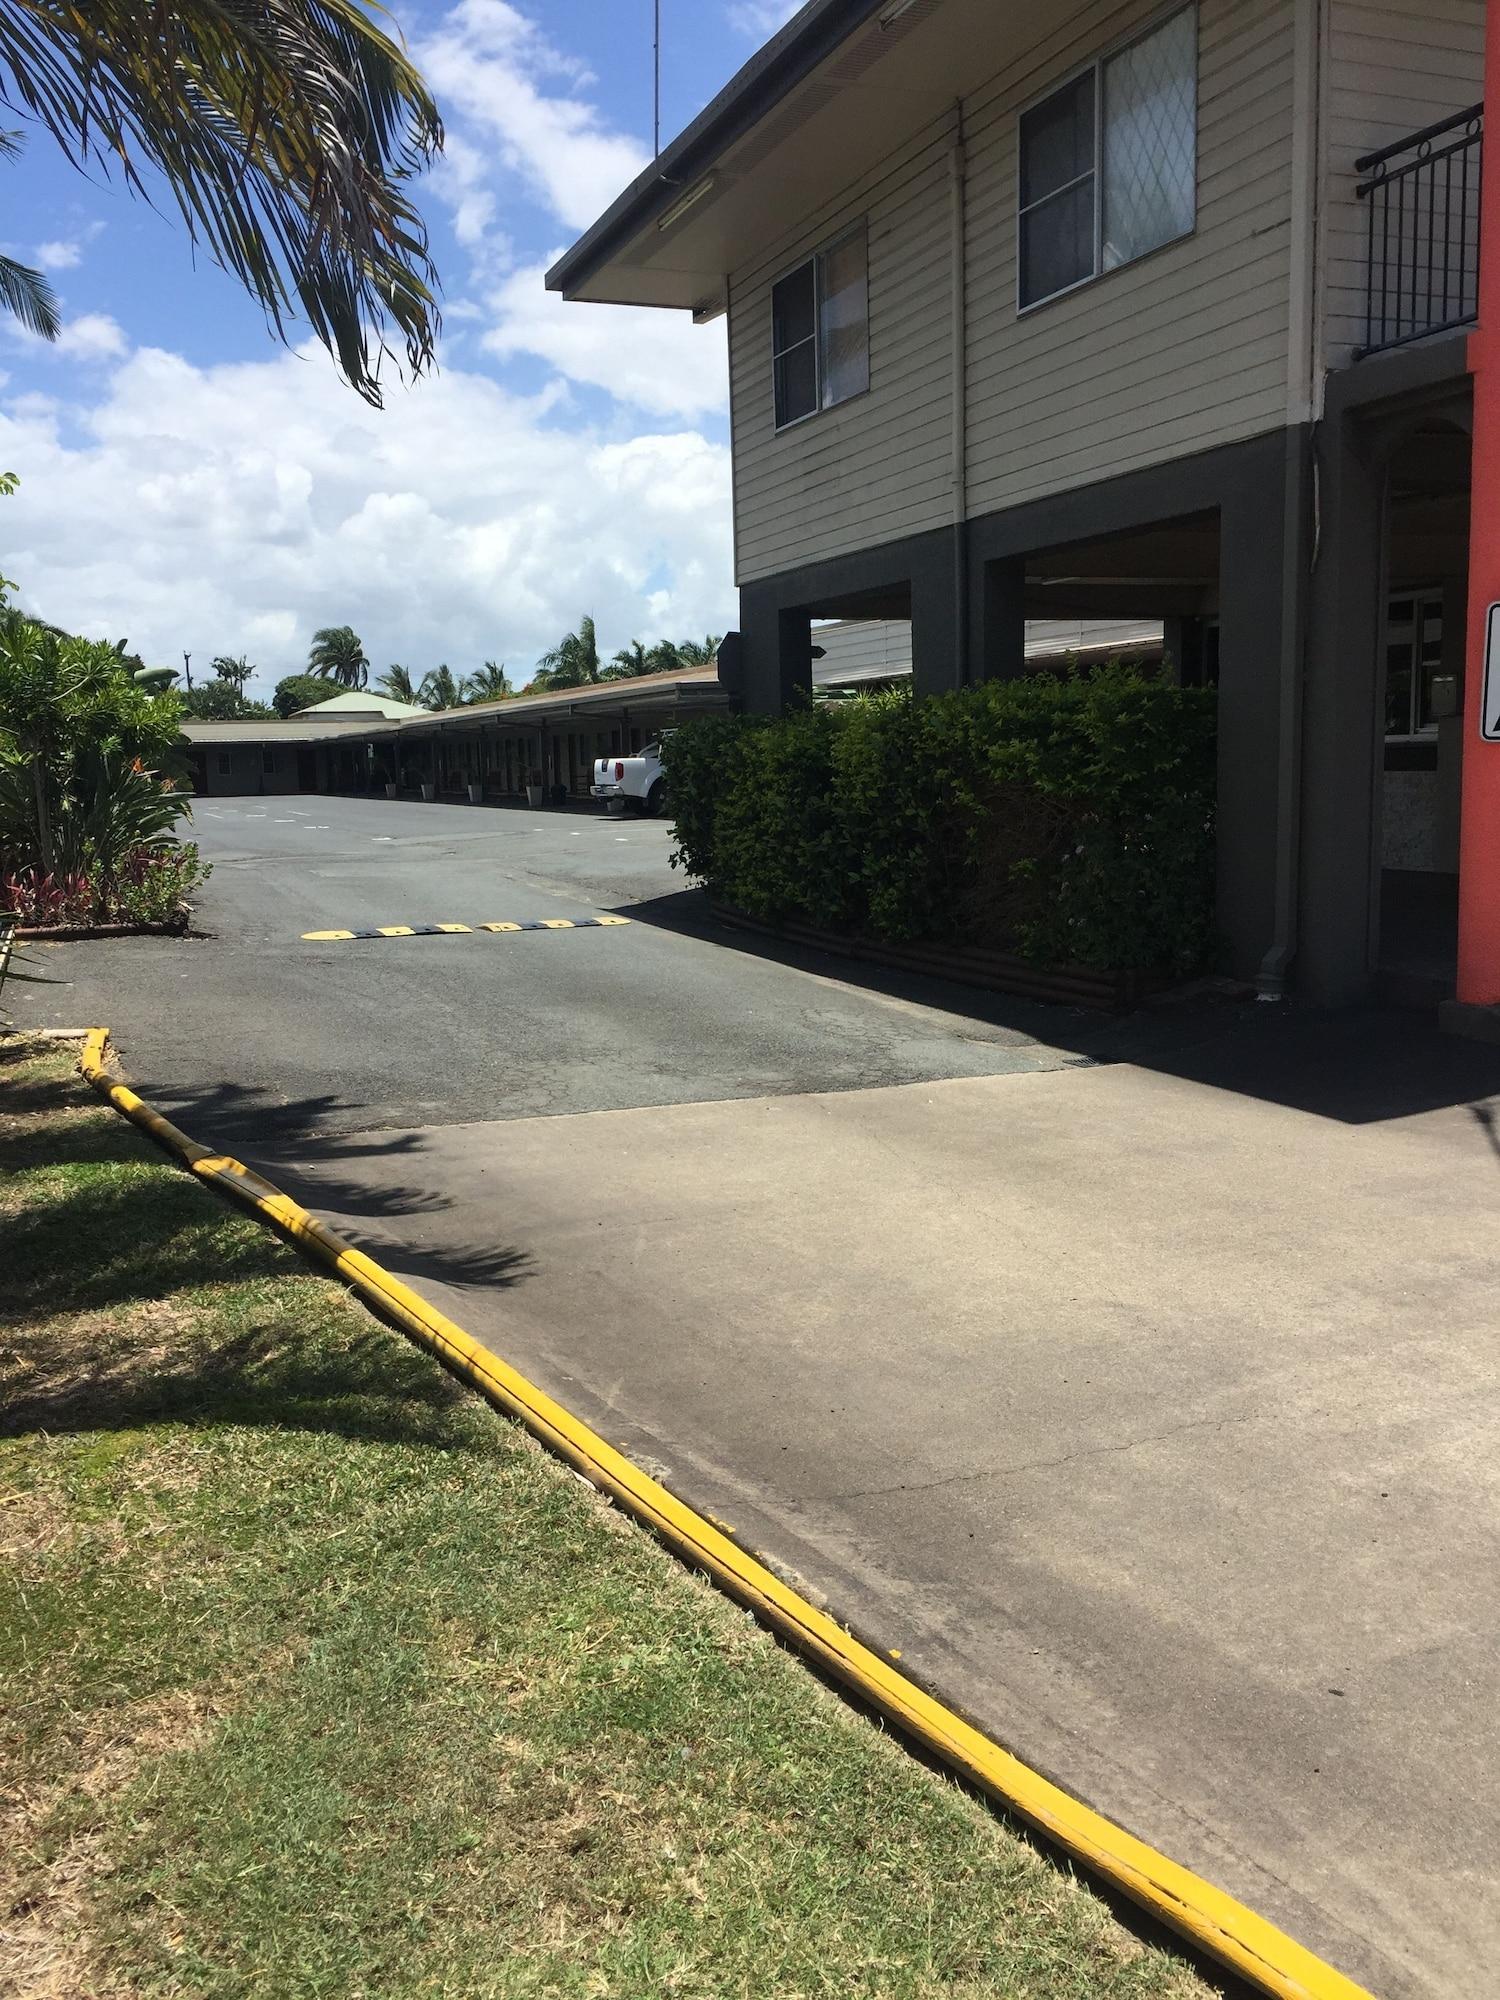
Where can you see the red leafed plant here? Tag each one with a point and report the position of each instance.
(41, 899)
(146, 887)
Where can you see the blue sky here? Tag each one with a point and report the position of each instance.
(190, 484)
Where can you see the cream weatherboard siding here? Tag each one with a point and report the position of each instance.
(881, 465)
(1389, 71)
(1186, 348)
(1183, 350)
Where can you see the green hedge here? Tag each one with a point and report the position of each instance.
(1069, 819)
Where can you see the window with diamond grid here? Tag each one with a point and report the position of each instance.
(1109, 162)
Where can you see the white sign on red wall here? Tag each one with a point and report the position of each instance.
(1489, 697)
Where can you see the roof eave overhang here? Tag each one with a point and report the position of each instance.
(785, 61)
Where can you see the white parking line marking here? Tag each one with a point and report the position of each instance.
(621, 841)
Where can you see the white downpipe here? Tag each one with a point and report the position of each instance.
(1304, 402)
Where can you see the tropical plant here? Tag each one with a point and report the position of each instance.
(572, 662)
(235, 671)
(298, 691)
(337, 654)
(288, 132)
(396, 685)
(64, 701)
(490, 683)
(149, 886)
(439, 689)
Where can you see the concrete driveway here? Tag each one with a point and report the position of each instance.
(1139, 1382)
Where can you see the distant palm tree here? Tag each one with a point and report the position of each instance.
(288, 132)
(491, 683)
(628, 664)
(396, 685)
(236, 672)
(338, 654)
(698, 652)
(572, 662)
(439, 689)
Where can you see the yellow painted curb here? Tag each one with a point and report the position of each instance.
(1216, 1923)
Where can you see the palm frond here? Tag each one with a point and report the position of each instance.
(287, 131)
(27, 294)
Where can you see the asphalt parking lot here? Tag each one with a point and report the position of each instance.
(418, 1030)
(1137, 1380)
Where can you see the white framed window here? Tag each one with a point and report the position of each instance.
(820, 330)
(1109, 162)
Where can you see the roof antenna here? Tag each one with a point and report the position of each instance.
(656, 78)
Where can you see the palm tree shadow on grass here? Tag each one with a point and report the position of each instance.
(109, 1239)
(372, 1387)
(118, 1307)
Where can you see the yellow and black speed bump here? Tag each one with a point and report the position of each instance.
(467, 930)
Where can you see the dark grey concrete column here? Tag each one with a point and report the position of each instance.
(935, 665)
(776, 653)
(1252, 582)
(1182, 642)
(1000, 651)
(1342, 729)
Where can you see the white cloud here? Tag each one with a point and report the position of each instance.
(460, 180)
(488, 64)
(655, 359)
(65, 253)
(91, 337)
(238, 508)
(58, 256)
(761, 18)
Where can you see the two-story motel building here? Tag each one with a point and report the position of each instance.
(1116, 309)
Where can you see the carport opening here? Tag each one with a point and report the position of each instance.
(1150, 594)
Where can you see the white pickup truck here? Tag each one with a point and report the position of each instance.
(638, 781)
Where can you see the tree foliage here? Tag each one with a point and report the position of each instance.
(396, 685)
(25, 293)
(298, 691)
(235, 670)
(337, 653)
(82, 751)
(490, 683)
(572, 662)
(222, 701)
(288, 132)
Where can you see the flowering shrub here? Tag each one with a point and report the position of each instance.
(149, 886)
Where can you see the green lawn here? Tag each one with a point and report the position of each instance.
(320, 1678)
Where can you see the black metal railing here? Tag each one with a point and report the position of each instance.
(1422, 231)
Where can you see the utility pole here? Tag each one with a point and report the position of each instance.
(655, 78)
(187, 668)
